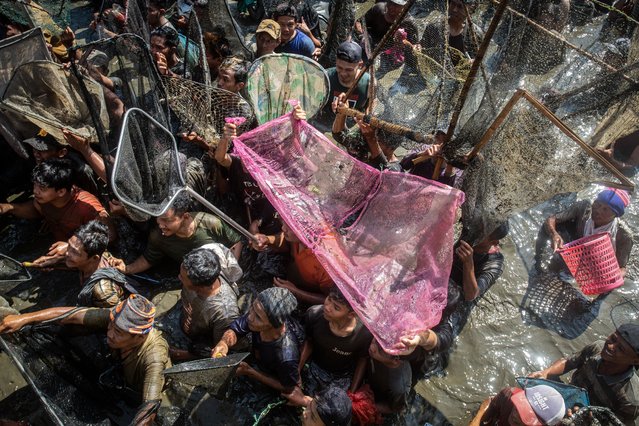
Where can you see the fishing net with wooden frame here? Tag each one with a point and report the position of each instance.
(43, 94)
(202, 109)
(32, 47)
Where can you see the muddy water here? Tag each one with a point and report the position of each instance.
(504, 337)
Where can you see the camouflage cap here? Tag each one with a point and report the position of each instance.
(270, 27)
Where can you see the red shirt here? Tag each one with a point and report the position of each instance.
(83, 207)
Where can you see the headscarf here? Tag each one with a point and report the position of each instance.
(616, 199)
(134, 315)
(278, 303)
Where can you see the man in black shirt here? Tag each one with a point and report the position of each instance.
(476, 268)
(275, 346)
(380, 18)
(336, 344)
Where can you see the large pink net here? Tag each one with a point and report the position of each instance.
(392, 263)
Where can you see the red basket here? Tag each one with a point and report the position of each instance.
(592, 261)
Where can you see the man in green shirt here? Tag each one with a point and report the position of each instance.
(179, 231)
(143, 352)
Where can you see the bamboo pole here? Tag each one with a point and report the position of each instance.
(384, 125)
(519, 94)
(380, 46)
(479, 57)
(627, 184)
(569, 44)
(495, 125)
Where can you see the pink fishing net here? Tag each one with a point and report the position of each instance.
(392, 263)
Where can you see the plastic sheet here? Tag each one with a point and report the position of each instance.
(391, 265)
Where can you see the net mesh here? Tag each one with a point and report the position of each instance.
(202, 109)
(274, 79)
(148, 172)
(393, 268)
(219, 14)
(126, 61)
(570, 69)
(12, 270)
(418, 74)
(494, 183)
(32, 47)
(43, 94)
(52, 16)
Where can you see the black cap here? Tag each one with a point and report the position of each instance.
(349, 51)
(630, 333)
(334, 407)
(43, 141)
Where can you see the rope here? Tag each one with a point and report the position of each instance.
(265, 412)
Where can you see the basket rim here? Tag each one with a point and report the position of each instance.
(585, 241)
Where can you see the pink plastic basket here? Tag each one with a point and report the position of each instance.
(592, 261)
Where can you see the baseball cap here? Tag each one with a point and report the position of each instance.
(184, 7)
(349, 51)
(539, 405)
(547, 403)
(269, 27)
(399, 2)
(43, 141)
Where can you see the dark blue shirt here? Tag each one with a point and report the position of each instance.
(279, 358)
(301, 44)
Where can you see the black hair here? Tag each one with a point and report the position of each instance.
(94, 236)
(56, 173)
(285, 9)
(170, 36)
(239, 66)
(160, 4)
(333, 406)
(202, 266)
(500, 231)
(337, 296)
(182, 204)
(390, 140)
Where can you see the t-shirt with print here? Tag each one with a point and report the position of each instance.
(208, 229)
(333, 353)
(279, 358)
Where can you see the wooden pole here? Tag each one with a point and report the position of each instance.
(384, 125)
(390, 33)
(470, 79)
(495, 125)
(625, 182)
(570, 45)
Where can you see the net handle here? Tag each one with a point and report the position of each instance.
(384, 125)
(206, 203)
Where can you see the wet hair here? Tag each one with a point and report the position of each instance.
(182, 204)
(202, 266)
(94, 236)
(171, 38)
(390, 140)
(160, 4)
(500, 232)
(56, 173)
(336, 295)
(239, 66)
(285, 9)
(334, 406)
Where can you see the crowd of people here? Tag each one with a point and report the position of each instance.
(270, 294)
